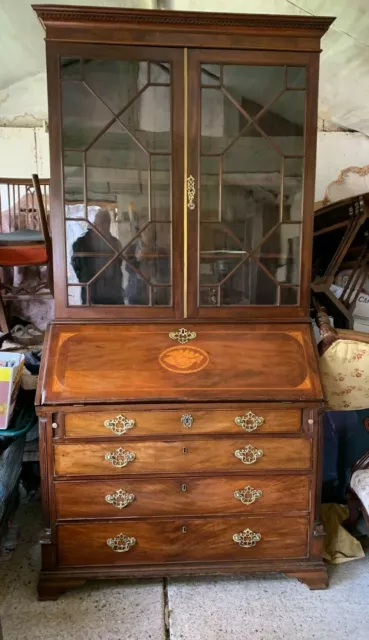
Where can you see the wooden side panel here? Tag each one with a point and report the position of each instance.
(184, 496)
(182, 540)
(132, 363)
(184, 456)
(88, 424)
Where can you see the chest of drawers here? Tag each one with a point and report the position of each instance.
(178, 486)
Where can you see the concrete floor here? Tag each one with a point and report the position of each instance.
(270, 608)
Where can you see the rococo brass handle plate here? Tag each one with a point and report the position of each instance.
(249, 422)
(182, 335)
(120, 457)
(249, 454)
(187, 420)
(121, 543)
(119, 425)
(248, 495)
(247, 538)
(120, 498)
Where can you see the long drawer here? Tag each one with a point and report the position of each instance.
(181, 497)
(207, 539)
(176, 456)
(244, 419)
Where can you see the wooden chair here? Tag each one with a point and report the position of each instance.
(26, 248)
(358, 492)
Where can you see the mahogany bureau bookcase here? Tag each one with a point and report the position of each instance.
(179, 396)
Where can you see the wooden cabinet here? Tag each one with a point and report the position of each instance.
(179, 397)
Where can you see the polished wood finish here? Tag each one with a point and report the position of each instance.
(234, 361)
(191, 540)
(151, 422)
(187, 496)
(182, 456)
(101, 362)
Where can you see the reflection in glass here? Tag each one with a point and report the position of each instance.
(94, 263)
(251, 167)
(117, 177)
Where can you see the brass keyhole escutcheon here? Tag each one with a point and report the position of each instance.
(185, 450)
(184, 488)
(184, 529)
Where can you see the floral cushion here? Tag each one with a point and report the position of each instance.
(344, 370)
(360, 484)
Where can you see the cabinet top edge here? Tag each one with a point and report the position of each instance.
(144, 17)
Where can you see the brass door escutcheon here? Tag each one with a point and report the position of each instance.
(249, 454)
(120, 457)
(121, 543)
(191, 192)
(120, 498)
(247, 538)
(182, 335)
(248, 495)
(249, 421)
(119, 425)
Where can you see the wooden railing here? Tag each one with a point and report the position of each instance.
(18, 204)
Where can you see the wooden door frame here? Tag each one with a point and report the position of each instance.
(196, 57)
(116, 52)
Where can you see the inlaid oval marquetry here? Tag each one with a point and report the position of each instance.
(184, 359)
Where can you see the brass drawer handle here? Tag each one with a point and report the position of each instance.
(120, 498)
(121, 543)
(249, 422)
(247, 538)
(187, 420)
(249, 454)
(248, 495)
(120, 457)
(182, 335)
(119, 425)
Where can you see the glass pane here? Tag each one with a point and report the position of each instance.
(160, 174)
(296, 77)
(280, 253)
(71, 69)
(213, 269)
(115, 82)
(90, 252)
(210, 74)
(218, 238)
(248, 285)
(283, 123)
(73, 180)
(153, 133)
(254, 88)
(209, 192)
(74, 296)
(292, 188)
(251, 126)
(289, 295)
(114, 124)
(161, 296)
(84, 115)
(160, 73)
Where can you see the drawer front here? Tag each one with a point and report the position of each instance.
(197, 540)
(178, 422)
(237, 455)
(181, 497)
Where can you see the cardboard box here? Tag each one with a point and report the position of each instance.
(11, 367)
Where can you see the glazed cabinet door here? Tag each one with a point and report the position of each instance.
(117, 153)
(251, 154)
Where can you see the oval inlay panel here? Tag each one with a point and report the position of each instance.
(184, 359)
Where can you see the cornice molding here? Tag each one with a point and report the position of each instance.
(71, 14)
